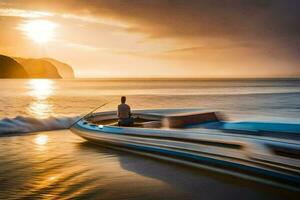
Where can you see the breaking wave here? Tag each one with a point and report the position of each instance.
(22, 124)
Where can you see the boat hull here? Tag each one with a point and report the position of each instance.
(236, 155)
(240, 158)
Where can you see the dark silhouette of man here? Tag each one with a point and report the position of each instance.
(124, 113)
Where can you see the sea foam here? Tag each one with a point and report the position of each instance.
(22, 124)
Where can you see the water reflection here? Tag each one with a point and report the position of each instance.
(41, 144)
(41, 139)
(41, 90)
(40, 109)
(59, 165)
(52, 178)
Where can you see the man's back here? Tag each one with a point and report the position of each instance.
(123, 111)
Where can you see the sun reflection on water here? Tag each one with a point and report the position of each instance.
(41, 90)
(41, 139)
(52, 178)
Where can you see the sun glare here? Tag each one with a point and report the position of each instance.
(41, 88)
(40, 31)
(41, 139)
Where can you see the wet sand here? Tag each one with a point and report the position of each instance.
(60, 165)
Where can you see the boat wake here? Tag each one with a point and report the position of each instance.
(22, 124)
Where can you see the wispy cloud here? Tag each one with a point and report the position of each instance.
(8, 12)
(213, 47)
(97, 20)
(84, 47)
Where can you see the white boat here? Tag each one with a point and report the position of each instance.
(268, 154)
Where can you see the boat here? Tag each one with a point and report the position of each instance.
(256, 151)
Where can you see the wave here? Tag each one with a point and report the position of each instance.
(22, 124)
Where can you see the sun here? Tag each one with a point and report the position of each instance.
(40, 31)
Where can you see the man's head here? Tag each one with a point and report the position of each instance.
(123, 99)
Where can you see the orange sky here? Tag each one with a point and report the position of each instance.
(199, 39)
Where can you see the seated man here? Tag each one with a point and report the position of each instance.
(124, 113)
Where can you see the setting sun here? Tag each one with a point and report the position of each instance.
(40, 31)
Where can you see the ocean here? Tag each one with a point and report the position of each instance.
(41, 159)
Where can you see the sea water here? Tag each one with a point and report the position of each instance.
(60, 165)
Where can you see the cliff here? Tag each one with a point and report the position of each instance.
(9, 68)
(16, 67)
(64, 69)
(39, 68)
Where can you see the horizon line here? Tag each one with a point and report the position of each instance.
(184, 78)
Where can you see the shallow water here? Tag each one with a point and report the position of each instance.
(60, 165)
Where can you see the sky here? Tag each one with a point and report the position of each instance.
(157, 38)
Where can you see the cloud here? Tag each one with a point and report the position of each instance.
(84, 47)
(238, 20)
(232, 31)
(197, 18)
(8, 12)
(212, 47)
(96, 20)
